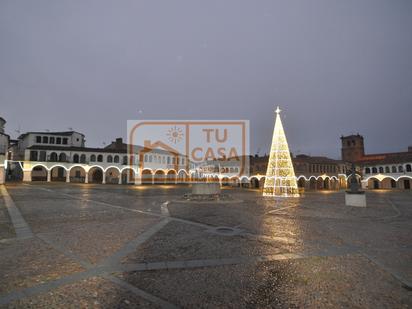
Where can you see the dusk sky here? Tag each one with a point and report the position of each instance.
(334, 67)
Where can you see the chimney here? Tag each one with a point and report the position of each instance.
(119, 141)
(410, 149)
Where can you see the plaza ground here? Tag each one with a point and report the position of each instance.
(111, 246)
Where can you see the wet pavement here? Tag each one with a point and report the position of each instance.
(112, 246)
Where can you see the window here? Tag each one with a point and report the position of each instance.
(374, 170)
(408, 168)
(150, 158)
(38, 139)
(33, 155)
(168, 160)
(124, 160)
(145, 158)
(51, 140)
(65, 141)
(393, 169)
(367, 170)
(109, 159)
(183, 160)
(58, 140)
(400, 169)
(116, 159)
(76, 158)
(62, 157)
(93, 158)
(99, 158)
(53, 157)
(45, 139)
(83, 158)
(42, 156)
(380, 169)
(387, 169)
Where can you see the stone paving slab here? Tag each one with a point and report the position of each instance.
(6, 226)
(180, 241)
(95, 241)
(309, 252)
(349, 281)
(28, 262)
(95, 292)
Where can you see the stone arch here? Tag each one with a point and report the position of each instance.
(312, 183)
(225, 181)
(326, 183)
(374, 183)
(58, 173)
(128, 176)
(96, 174)
(301, 182)
(147, 176)
(404, 182)
(235, 181)
(254, 182)
(182, 176)
(112, 175)
(77, 174)
(159, 177)
(171, 177)
(244, 182)
(262, 182)
(39, 173)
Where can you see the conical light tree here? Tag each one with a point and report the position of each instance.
(280, 176)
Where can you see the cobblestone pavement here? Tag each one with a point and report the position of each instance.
(111, 246)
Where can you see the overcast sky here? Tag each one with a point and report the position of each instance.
(334, 67)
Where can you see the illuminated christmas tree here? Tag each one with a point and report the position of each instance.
(280, 176)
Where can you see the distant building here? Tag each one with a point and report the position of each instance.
(378, 171)
(312, 172)
(62, 156)
(4, 146)
(352, 148)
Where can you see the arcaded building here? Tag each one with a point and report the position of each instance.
(312, 172)
(378, 171)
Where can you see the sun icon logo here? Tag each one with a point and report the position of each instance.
(175, 134)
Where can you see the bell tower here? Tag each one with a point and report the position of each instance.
(352, 148)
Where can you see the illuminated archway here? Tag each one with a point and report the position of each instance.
(128, 176)
(77, 174)
(96, 174)
(147, 176)
(58, 173)
(39, 173)
(159, 177)
(182, 176)
(225, 181)
(112, 175)
(171, 177)
(254, 182)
